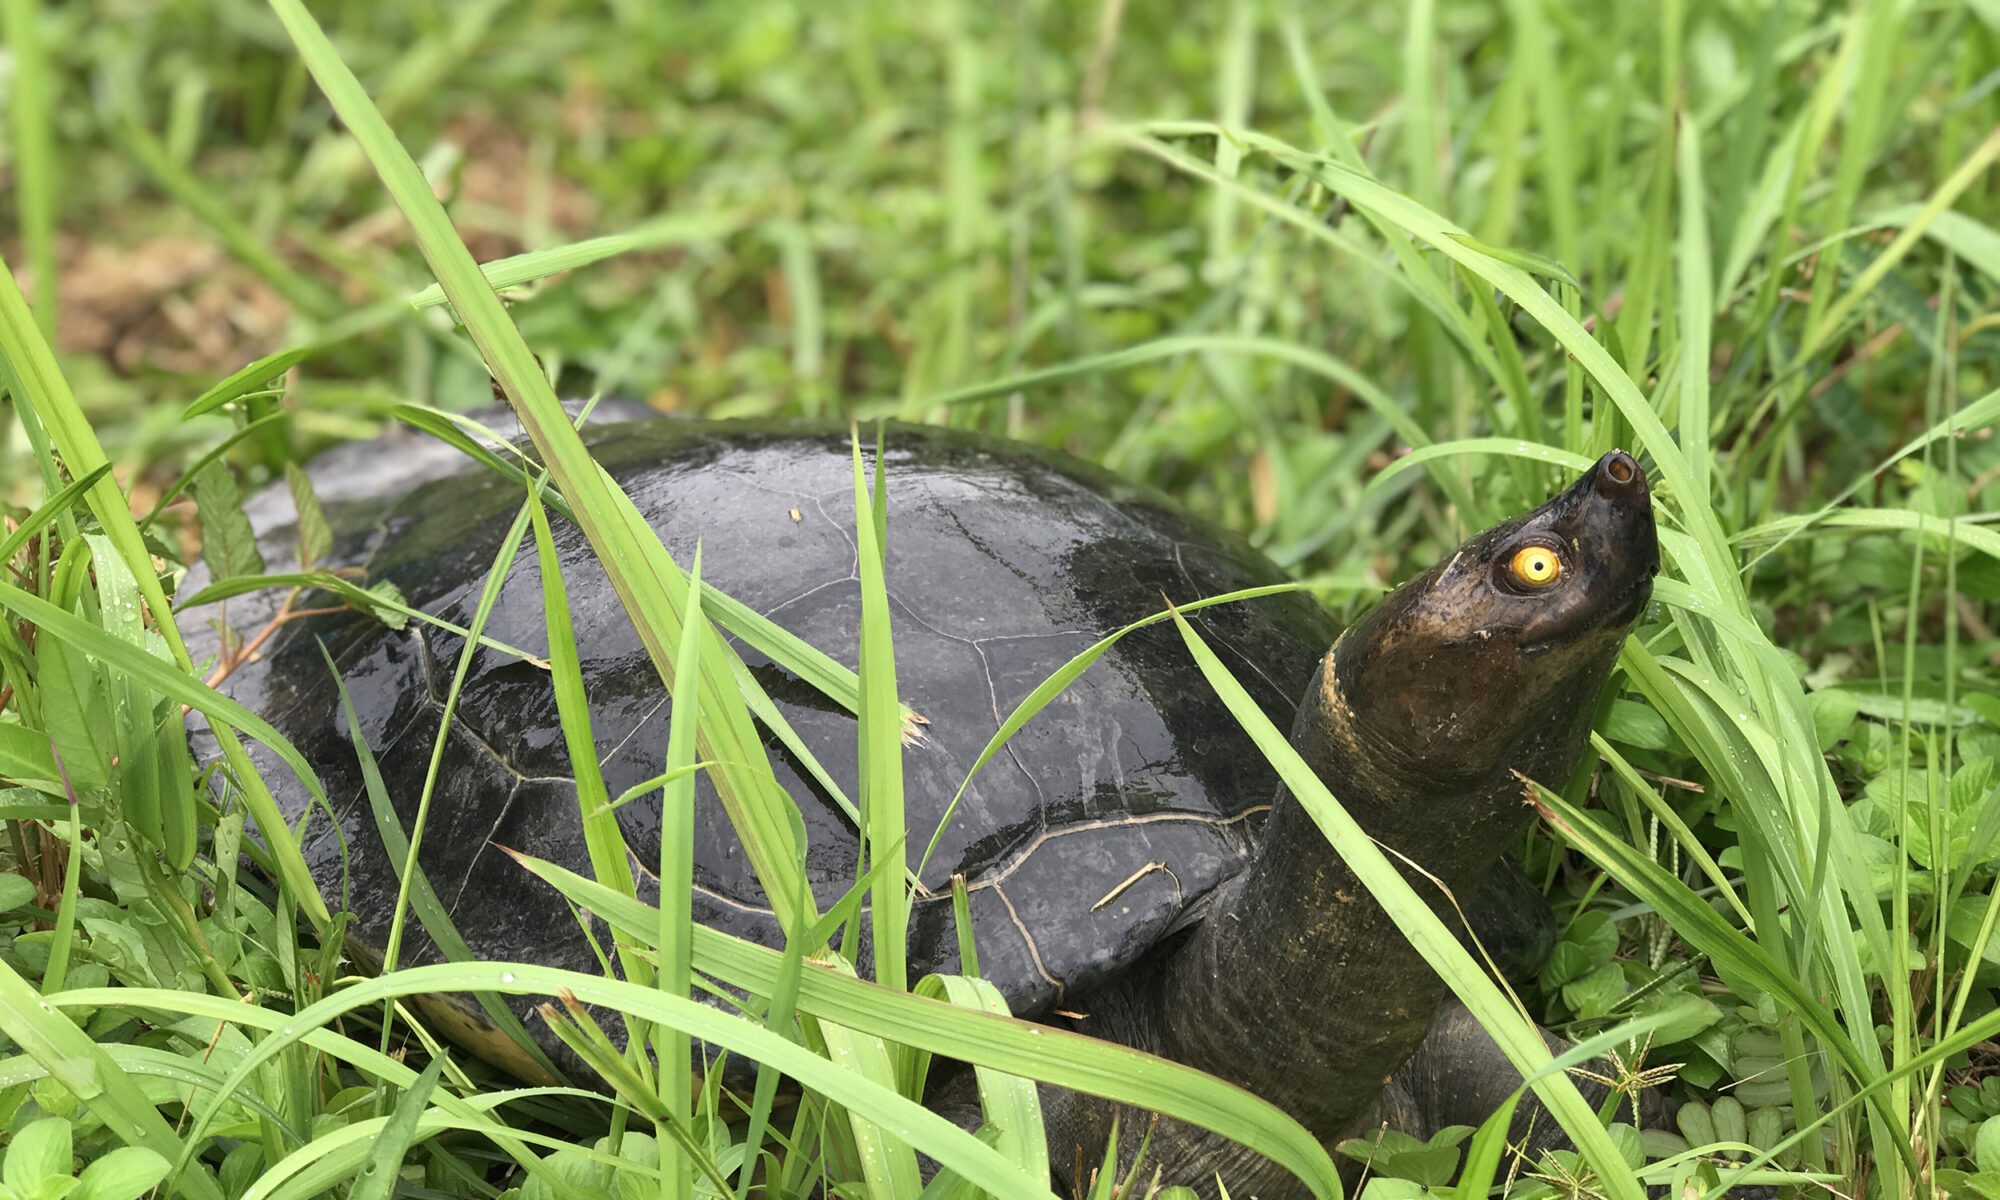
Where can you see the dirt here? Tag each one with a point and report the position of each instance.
(176, 305)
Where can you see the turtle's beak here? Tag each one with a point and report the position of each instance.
(1619, 508)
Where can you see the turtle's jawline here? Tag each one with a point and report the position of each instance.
(1625, 608)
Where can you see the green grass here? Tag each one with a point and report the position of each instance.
(1352, 279)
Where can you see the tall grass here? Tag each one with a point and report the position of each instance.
(1355, 282)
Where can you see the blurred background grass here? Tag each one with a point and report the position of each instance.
(889, 204)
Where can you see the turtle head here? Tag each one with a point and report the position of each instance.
(1493, 658)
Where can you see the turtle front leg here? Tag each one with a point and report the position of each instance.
(1459, 1076)
(1080, 1126)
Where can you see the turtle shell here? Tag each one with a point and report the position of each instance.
(1124, 802)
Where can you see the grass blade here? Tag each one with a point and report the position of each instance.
(1514, 447)
(46, 513)
(1697, 296)
(247, 379)
(377, 1180)
(1018, 1047)
(352, 593)
(1011, 1104)
(944, 1141)
(677, 230)
(888, 1166)
(36, 170)
(880, 733)
(610, 861)
(677, 829)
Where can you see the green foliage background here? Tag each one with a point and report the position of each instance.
(1254, 253)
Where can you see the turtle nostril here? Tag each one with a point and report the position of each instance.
(1621, 470)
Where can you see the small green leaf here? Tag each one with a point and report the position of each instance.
(1597, 934)
(1969, 786)
(15, 892)
(1597, 993)
(315, 535)
(124, 1174)
(1388, 1187)
(247, 380)
(208, 457)
(1696, 1125)
(1634, 724)
(1985, 1185)
(1986, 1145)
(1765, 1128)
(390, 611)
(25, 757)
(584, 1177)
(1988, 707)
(40, 1151)
(1730, 1124)
(1918, 795)
(1432, 1166)
(228, 544)
(1567, 962)
(1383, 1145)
(1833, 713)
(643, 1151)
(1689, 1015)
(1962, 926)
(75, 712)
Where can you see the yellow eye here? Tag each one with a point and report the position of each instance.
(1536, 566)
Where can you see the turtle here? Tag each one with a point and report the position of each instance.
(1132, 866)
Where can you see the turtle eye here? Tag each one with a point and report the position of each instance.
(1535, 566)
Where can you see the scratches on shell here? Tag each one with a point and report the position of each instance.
(1034, 951)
